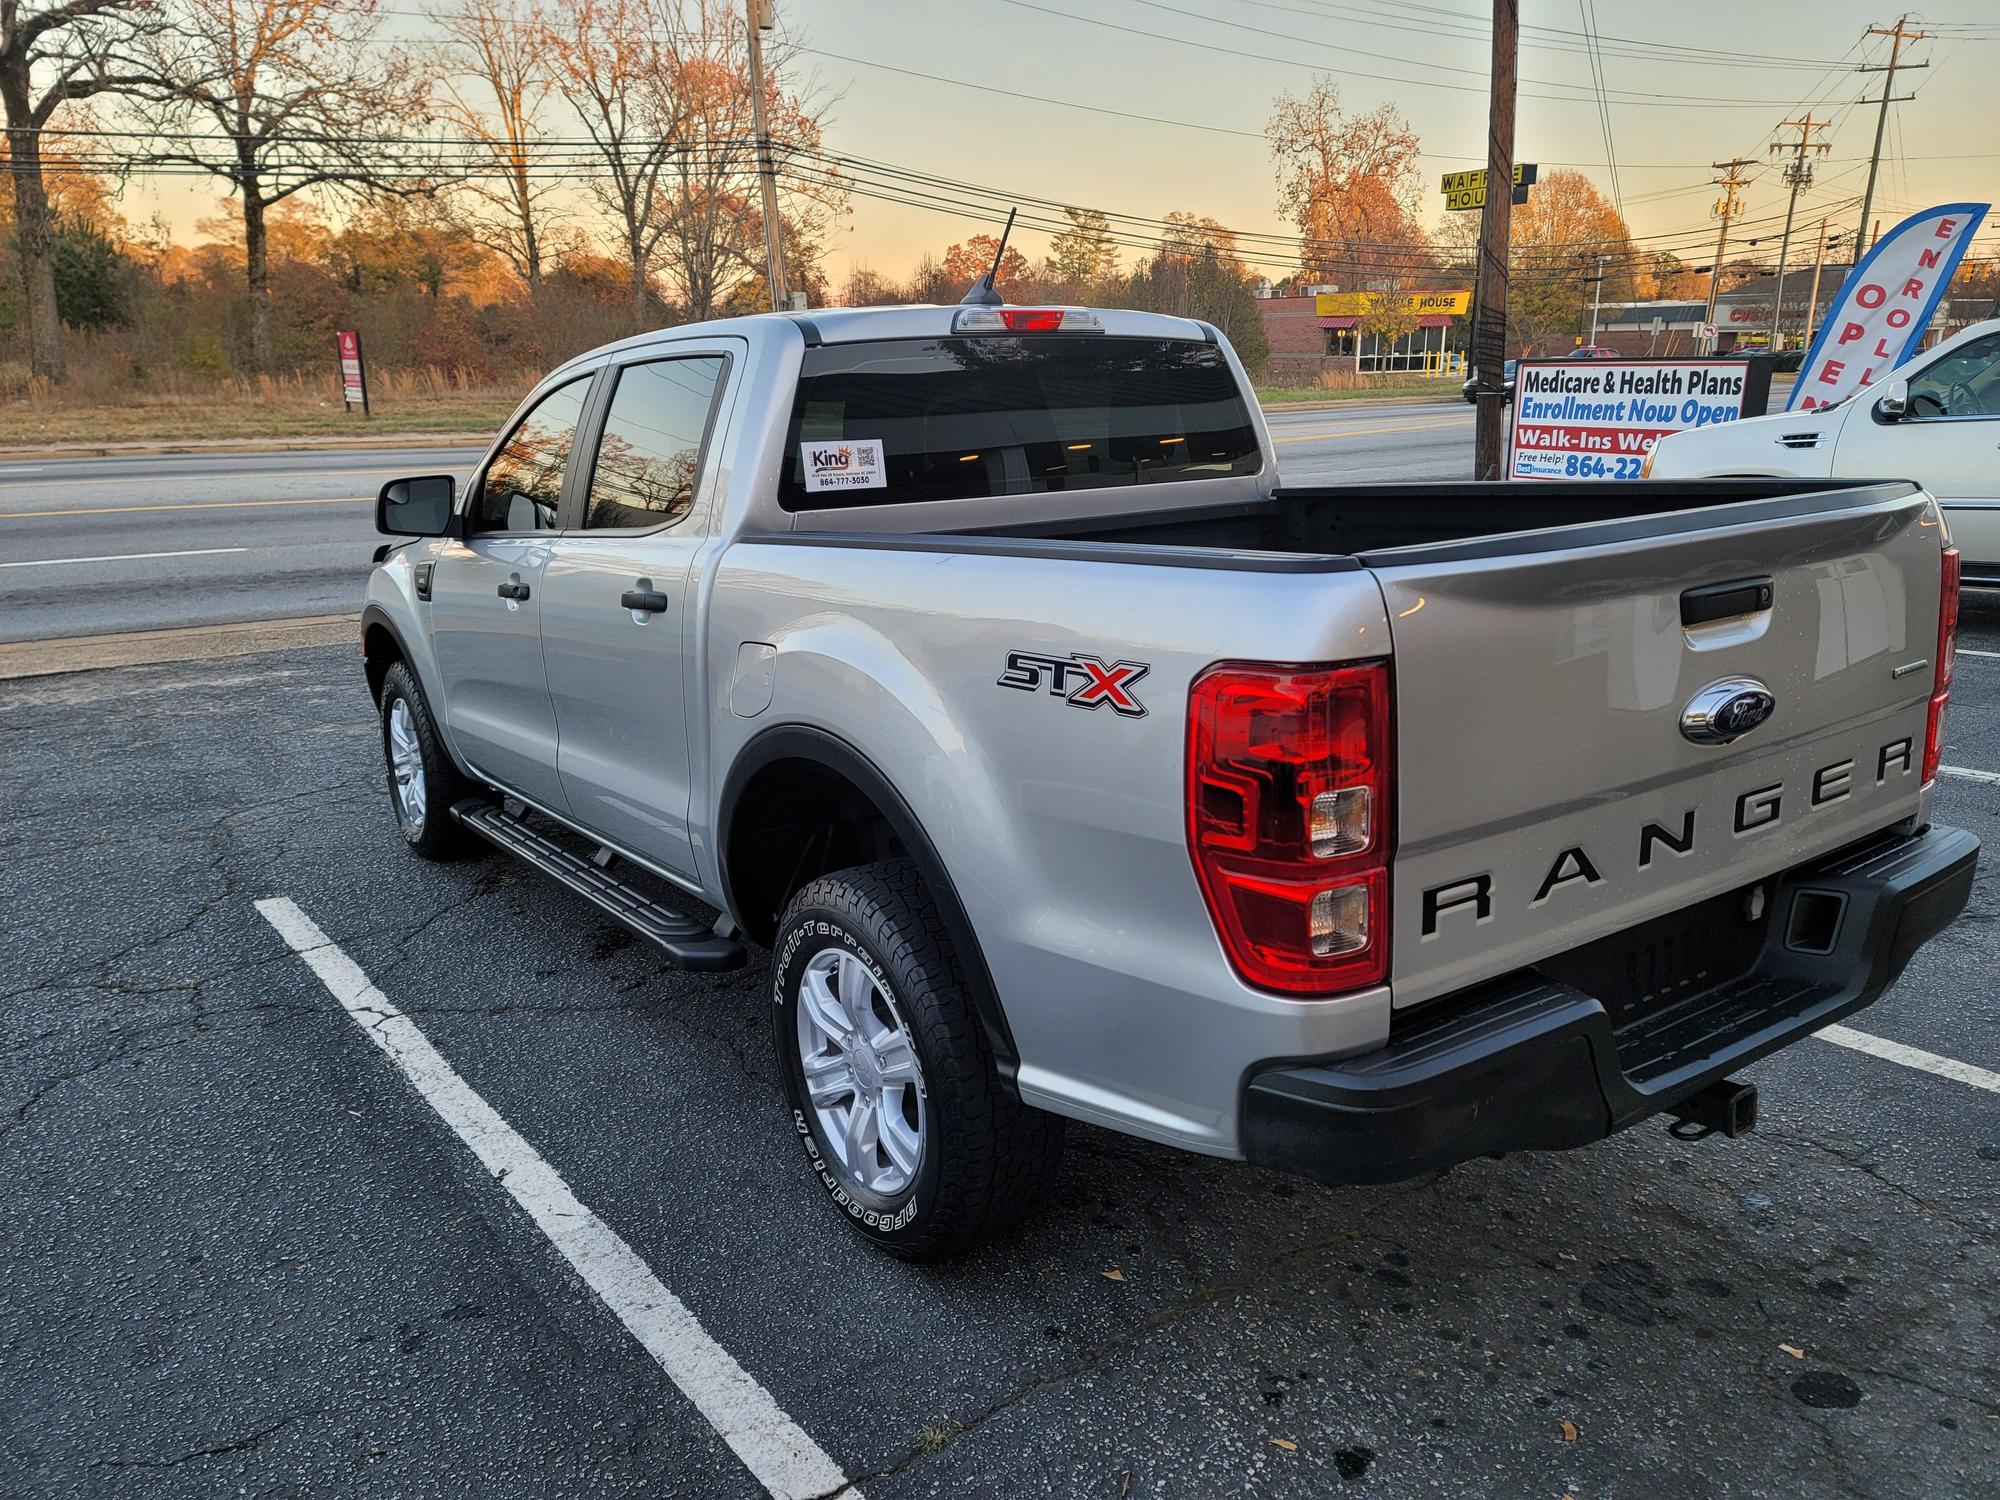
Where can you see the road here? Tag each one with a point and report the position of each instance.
(97, 545)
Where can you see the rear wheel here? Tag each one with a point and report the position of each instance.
(895, 1100)
(423, 781)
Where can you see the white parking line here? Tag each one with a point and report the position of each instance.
(51, 562)
(1968, 651)
(1970, 775)
(780, 1453)
(1912, 1057)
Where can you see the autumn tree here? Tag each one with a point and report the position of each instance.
(714, 253)
(1084, 256)
(302, 95)
(866, 288)
(1349, 184)
(54, 54)
(615, 62)
(1196, 273)
(966, 262)
(1557, 238)
(497, 49)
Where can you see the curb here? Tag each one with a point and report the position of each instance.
(136, 648)
(1276, 408)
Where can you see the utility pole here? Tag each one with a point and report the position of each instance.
(1597, 303)
(764, 16)
(1489, 332)
(1798, 174)
(1812, 297)
(1727, 207)
(1902, 34)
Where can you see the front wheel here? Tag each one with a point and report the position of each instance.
(423, 781)
(905, 1123)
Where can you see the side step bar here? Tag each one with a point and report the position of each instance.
(688, 941)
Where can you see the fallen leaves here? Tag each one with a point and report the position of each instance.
(1794, 1350)
(1286, 1443)
(1571, 1432)
(1114, 1274)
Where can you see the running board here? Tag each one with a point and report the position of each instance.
(688, 941)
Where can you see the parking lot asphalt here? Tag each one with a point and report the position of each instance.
(242, 1256)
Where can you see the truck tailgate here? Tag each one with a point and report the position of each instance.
(1547, 794)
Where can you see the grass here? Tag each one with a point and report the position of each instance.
(273, 408)
(183, 410)
(1282, 395)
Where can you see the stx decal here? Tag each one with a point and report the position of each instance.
(1081, 681)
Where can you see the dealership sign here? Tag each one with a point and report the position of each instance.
(1883, 307)
(353, 379)
(1599, 418)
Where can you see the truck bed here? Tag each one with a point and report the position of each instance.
(1358, 520)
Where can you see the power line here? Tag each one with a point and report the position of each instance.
(1637, 100)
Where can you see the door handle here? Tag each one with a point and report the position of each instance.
(513, 591)
(645, 601)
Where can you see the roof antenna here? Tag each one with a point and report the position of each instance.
(982, 292)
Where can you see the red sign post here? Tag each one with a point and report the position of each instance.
(353, 378)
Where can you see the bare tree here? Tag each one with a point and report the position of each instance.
(499, 45)
(614, 62)
(54, 53)
(284, 95)
(710, 197)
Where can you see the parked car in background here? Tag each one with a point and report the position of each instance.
(1593, 351)
(1934, 419)
(1471, 386)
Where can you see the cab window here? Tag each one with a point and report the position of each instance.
(522, 490)
(650, 454)
(1965, 383)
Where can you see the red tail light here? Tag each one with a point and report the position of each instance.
(1289, 808)
(1031, 319)
(1947, 654)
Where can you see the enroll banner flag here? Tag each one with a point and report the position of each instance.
(1885, 304)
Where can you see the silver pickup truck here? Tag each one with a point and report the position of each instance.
(975, 662)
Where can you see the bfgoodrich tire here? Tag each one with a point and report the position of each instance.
(894, 1099)
(423, 781)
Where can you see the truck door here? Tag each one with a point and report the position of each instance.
(486, 602)
(1948, 442)
(619, 618)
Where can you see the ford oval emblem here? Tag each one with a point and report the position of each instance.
(1726, 710)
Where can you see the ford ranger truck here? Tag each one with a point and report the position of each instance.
(975, 664)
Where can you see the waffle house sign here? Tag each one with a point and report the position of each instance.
(1465, 190)
(1390, 304)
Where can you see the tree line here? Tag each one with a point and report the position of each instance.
(525, 180)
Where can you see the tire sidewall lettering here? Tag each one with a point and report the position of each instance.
(800, 942)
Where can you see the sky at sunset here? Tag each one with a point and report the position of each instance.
(929, 86)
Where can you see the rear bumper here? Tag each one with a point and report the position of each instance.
(1528, 1062)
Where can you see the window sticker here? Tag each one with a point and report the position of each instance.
(844, 464)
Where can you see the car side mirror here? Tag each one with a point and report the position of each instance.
(1895, 402)
(416, 507)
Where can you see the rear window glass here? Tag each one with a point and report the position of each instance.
(962, 418)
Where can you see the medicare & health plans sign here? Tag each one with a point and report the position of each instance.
(1599, 418)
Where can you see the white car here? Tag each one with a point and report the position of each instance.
(1934, 419)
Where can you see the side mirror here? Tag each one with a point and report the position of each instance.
(416, 507)
(1895, 402)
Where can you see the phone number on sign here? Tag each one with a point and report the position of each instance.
(1543, 465)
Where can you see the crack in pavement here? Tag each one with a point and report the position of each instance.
(243, 1444)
